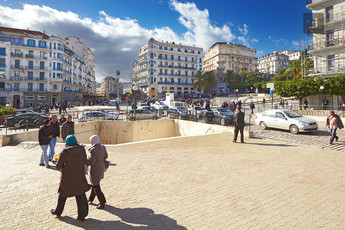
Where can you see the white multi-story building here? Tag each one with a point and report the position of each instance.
(292, 54)
(328, 30)
(224, 56)
(37, 68)
(112, 85)
(166, 67)
(271, 63)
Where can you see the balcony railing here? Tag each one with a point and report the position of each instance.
(35, 56)
(26, 89)
(17, 54)
(319, 45)
(177, 67)
(16, 78)
(174, 83)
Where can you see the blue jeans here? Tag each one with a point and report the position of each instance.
(44, 156)
(52, 145)
(334, 134)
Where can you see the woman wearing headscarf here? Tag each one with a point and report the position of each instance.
(98, 155)
(72, 182)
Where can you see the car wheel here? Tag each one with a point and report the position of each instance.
(222, 121)
(263, 125)
(294, 129)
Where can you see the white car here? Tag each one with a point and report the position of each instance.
(160, 105)
(142, 105)
(285, 119)
(97, 115)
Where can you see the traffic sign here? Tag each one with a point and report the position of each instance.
(269, 85)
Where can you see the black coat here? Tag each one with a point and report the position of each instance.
(43, 134)
(67, 129)
(55, 129)
(338, 119)
(239, 119)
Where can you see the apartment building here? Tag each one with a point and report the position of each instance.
(271, 63)
(112, 85)
(224, 56)
(166, 67)
(328, 28)
(37, 68)
(292, 54)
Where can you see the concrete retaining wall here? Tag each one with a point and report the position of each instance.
(124, 132)
(117, 132)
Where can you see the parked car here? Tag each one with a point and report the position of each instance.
(178, 104)
(200, 111)
(160, 105)
(97, 115)
(141, 114)
(151, 109)
(142, 105)
(222, 116)
(178, 112)
(286, 119)
(19, 121)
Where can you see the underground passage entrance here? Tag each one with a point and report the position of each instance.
(118, 132)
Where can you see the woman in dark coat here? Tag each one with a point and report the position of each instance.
(72, 182)
(96, 170)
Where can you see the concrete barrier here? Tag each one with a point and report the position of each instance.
(118, 132)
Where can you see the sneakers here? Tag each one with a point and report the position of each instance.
(47, 166)
(336, 139)
(41, 164)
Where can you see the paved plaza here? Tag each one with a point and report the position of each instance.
(204, 182)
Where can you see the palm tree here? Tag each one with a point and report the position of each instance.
(199, 82)
(294, 68)
(210, 81)
(307, 65)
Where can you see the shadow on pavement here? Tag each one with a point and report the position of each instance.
(278, 145)
(131, 219)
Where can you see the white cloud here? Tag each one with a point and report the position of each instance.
(295, 44)
(254, 40)
(116, 41)
(244, 30)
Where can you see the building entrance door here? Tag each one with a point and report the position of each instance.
(16, 101)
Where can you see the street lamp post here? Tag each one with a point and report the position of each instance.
(322, 88)
(118, 85)
(237, 94)
(272, 92)
(134, 89)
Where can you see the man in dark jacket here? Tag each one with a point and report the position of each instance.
(252, 107)
(239, 124)
(44, 136)
(67, 128)
(55, 127)
(334, 122)
(62, 119)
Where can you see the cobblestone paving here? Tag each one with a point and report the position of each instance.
(203, 182)
(317, 139)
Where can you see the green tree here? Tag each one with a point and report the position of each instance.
(294, 69)
(300, 88)
(210, 82)
(232, 79)
(199, 82)
(335, 85)
(282, 75)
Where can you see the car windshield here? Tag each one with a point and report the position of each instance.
(223, 111)
(200, 108)
(181, 108)
(292, 114)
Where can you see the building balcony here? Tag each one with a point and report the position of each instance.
(174, 83)
(30, 56)
(332, 44)
(3, 66)
(312, 4)
(10, 89)
(175, 75)
(17, 67)
(177, 67)
(20, 78)
(20, 55)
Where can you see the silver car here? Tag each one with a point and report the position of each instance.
(285, 119)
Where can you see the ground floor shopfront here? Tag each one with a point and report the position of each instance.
(32, 99)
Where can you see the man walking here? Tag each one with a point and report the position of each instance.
(334, 122)
(239, 124)
(55, 127)
(252, 107)
(44, 136)
(67, 128)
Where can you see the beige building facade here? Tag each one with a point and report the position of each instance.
(223, 56)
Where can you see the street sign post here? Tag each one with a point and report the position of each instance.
(271, 87)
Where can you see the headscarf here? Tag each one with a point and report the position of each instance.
(95, 140)
(71, 140)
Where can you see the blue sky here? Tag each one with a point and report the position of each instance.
(126, 25)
